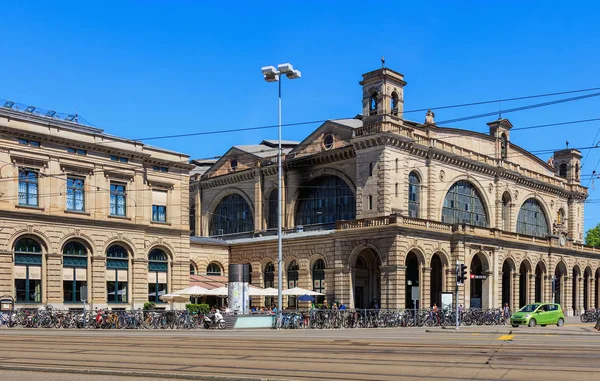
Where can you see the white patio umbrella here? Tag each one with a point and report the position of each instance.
(170, 298)
(300, 291)
(270, 291)
(192, 291)
(257, 291)
(221, 291)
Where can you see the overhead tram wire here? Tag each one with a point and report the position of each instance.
(527, 107)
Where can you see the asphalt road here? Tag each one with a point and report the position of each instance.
(488, 353)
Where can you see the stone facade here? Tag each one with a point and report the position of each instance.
(522, 223)
(58, 188)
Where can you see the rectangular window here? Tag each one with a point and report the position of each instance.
(71, 150)
(157, 168)
(28, 142)
(76, 151)
(370, 202)
(370, 169)
(75, 194)
(119, 159)
(117, 199)
(159, 213)
(28, 284)
(28, 187)
(159, 206)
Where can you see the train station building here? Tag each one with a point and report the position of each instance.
(377, 204)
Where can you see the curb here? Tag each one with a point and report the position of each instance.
(551, 333)
(132, 374)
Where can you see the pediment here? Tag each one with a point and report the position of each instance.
(235, 160)
(317, 141)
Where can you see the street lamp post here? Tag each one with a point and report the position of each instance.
(274, 75)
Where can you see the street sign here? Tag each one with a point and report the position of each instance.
(415, 293)
(83, 292)
(473, 276)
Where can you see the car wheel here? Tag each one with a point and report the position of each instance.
(532, 323)
(515, 325)
(542, 325)
(560, 322)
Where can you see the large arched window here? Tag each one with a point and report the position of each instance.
(213, 269)
(232, 215)
(394, 103)
(318, 278)
(373, 104)
(325, 200)
(28, 271)
(414, 194)
(269, 281)
(75, 262)
(193, 268)
(532, 220)
(272, 205)
(117, 274)
(158, 267)
(562, 170)
(463, 204)
(292, 279)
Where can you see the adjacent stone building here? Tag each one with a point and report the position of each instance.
(378, 204)
(79, 207)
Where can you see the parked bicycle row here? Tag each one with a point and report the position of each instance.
(590, 316)
(104, 319)
(364, 318)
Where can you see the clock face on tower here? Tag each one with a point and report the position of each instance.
(562, 240)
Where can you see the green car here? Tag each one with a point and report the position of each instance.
(539, 313)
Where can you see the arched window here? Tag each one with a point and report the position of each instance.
(193, 269)
(269, 281)
(292, 279)
(562, 170)
(325, 200)
(532, 220)
(560, 216)
(394, 103)
(503, 147)
(272, 205)
(28, 271)
(318, 277)
(463, 204)
(117, 274)
(249, 273)
(373, 104)
(577, 171)
(414, 194)
(75, 262)
(213, 269)
(506, 211)
(232, 215)
(158, 267)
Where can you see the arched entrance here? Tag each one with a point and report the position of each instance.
(479, 282)
(575, 290)
(412, 278)
(540, 273)
(507, 271)
(436, 280)
(367, 279)
(587, 280)
(560, 273)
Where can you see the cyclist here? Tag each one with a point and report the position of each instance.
(506, 311)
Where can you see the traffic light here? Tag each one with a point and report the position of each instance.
(461, 273)
(555, 285)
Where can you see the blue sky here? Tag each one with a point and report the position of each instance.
(149, 68)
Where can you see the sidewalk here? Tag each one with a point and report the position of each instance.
(573, 327)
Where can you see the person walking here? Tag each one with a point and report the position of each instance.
(597, 326)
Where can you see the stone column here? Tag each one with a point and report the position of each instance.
(425, 287)
(53, 289)
(580, 305)
(388, 286)
(6, 273)
(566, 286)
(343, 289)
(516, 291)
(401, 279)
(259, 223)
(138, 278)
(547, 289)
(592, 294)
(531, 288)
(97, 282)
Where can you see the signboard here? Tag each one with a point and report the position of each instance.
(447, 298)
(473, 276)
(415, 293)
(475, 302)
(83, 291)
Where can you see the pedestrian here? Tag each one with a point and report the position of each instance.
(506, 311)
(598, 324)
